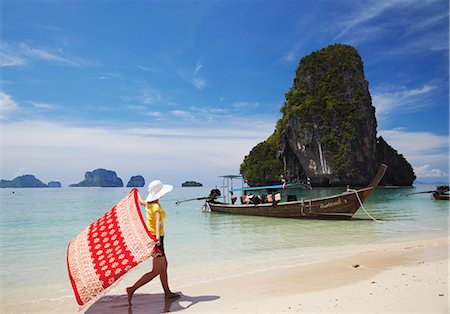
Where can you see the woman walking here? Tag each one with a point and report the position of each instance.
(155, 224)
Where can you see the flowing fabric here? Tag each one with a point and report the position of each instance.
(107, 249)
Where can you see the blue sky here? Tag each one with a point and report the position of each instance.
(182, 90)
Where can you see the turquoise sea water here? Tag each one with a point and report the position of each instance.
(36, 226)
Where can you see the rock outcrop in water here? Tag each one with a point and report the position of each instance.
(100, 178)
(54, 184)
(136, 182)
(26, 181)
(328, 128)
(191, 184)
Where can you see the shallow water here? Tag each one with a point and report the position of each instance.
(37, 224)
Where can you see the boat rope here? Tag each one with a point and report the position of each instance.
(361, 203)
(205, 207)
(380, 221)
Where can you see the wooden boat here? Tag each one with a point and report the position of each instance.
(341, 206)
(441, 193)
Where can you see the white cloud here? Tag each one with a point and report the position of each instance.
(425, 172)
(194, 78)
(8, 60)
(20, 172)
(240, 105)
(198, 67)
(183, 114)
(368, 11)
(208, 110)
(44, 54)
(22, 53)
(199, 83)
(144, 68)
(427, 152)
(7, 105)
(150, 96)
(53, 151)
(43, 106)
(415, 143)
(389, 99)
(155, 114)
(290, 56)
(370, 21)
(430, 41)
(147, 95)
(427, 23)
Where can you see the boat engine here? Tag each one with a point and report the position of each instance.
(215, 193)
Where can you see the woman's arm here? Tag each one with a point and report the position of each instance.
(158, 225)
(141, 201)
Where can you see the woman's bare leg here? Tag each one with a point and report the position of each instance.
(158, 265)
(164, 281)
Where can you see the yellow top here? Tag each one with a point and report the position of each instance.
(150, 209)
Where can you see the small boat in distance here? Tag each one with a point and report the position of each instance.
(341, 206)
(441, 193)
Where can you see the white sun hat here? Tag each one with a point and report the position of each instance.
(156, 190)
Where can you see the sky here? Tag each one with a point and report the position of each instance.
(183, 90)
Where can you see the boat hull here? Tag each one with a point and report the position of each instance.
(342, 206)
(441, 196)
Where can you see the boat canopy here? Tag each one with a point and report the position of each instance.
(271, 187)
(231, 176)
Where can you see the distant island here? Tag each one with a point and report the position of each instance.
(100, 178)
(54, 184)
(191, 184)
(136, 182)
(28, 181)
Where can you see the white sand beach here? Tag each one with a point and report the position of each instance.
(406, 277)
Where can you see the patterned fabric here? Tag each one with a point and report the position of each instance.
(108, 249)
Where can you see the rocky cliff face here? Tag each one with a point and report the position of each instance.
(100, 178)
(54, 184)
(329, 125)
(400, 171)
(328, 128)
(136, 182)
(26, 181)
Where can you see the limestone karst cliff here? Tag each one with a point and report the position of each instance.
(26, 181)
(328, 128)
(100, 178)
(136, 182)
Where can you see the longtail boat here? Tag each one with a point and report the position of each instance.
(441, 193)
(341, 206)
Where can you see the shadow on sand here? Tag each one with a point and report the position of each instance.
(145, 303)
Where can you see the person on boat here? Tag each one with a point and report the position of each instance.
(233, 198)
(308, 183)
(283, 182)
(155, 216)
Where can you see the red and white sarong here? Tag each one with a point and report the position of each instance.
(108, 248)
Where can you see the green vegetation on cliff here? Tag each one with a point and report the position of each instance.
(328, 128)
(319, 95)
(261, 165)
(100, 178)
(326, 94)
(26, 181)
